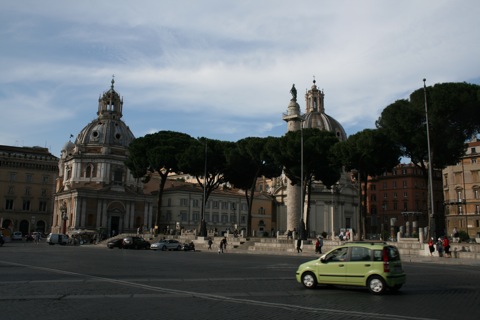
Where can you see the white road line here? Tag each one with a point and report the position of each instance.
(222, 298)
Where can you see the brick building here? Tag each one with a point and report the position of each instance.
(397, 201)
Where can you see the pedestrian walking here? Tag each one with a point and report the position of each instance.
(320, 245)
(317, 246)
(431, 246)
(440, 247)
(299, 245)
(446, 246)
(210, 242)
(37, 238)
(223, 245)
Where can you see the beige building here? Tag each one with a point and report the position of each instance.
(225, 209)
(95, 190)
(27, 180)
(461, 186)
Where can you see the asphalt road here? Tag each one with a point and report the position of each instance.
(93, 282)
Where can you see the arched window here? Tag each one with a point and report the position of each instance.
(90, 171)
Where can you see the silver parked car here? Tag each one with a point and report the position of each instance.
(166, 244)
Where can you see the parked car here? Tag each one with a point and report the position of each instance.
(17, 235)
(135, 243)
(166, 244)
(375, 265)
(57, 238)
(115, 243)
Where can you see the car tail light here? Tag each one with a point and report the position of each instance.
(386, 263)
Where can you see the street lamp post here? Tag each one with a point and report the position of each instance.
(431, 219)
(63, 210)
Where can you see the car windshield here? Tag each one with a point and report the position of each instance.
(339, 254)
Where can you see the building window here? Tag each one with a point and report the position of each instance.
(118, 176)
(183, 216)
(405, 206)
(373, 197)
(477, 209)
(394, 195)
(459, 195)
(475, 193)
(224, 218)
(384, 185)
(11, 190)
(42, 206)
(13, 176)
(372, 187)
(90, 171)
(233, 218)
(244, 207)
(261, 210)
(405, 194)
(9, 204)
(385, 195)
(207, 217)
(474, 160)
(405, 184)
(215, 217)
(183, 202)
(44, 192)
(395, 206)
(196, 216)
(195, 203)
(45, 179)
(244, 219)
(224, 205)
(404, 171)
(29, 178)
(460, 209)
(215, 204)
(26, 205)
(28, 191)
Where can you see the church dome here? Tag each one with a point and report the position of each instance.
(315, 116)
(323, 121)
(108, 128)
(68, 146)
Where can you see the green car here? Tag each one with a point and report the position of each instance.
(375, 265)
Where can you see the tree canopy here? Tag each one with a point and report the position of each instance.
(248, 161)
(453, 114)
(157, 153)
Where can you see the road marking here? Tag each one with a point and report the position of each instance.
(183, 293)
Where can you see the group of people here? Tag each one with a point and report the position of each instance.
(222, 247)
(442, 245)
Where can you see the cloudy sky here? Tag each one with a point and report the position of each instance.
(221, 69)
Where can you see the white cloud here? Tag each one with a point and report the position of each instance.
(222, 69)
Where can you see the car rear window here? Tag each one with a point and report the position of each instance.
(392, 252)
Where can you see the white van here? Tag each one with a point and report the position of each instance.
(57, 238)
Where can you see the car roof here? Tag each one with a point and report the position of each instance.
(376, 244)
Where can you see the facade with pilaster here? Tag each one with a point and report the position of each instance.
(95, 191)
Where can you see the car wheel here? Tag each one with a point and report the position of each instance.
(179, 248)
(164, 248)
(376, 285)
(309, 280)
